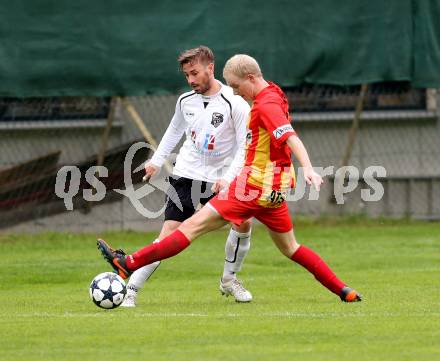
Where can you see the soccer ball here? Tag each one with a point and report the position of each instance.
(107, 290)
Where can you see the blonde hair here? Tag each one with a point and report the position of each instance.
(201, 54)
(241, 65)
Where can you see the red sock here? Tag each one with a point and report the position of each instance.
(315, 265)
(167, 247)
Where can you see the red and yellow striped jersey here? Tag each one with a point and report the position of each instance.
(268, 164)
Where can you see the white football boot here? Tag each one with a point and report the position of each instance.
(235, 288)
(130, 298)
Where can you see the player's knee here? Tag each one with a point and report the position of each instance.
(245, 227)
(168, 228)
(195, 226)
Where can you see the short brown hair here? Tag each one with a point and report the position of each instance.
(201, 54)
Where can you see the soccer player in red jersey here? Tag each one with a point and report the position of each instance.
(259, 191)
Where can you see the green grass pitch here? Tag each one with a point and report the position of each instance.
(46, 313)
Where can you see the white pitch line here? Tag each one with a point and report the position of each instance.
(323, 315)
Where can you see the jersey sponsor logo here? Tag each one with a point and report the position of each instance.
(193, 136)
(276, 197)
(209, 142)
(280, 131)
(208, 153)
(217, 119)
(189, 114)
(248, 137)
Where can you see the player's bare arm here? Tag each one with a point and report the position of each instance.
(299, 150)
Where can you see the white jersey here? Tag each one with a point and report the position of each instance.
(215, 128)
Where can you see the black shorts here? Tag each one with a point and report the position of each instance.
(190, 192)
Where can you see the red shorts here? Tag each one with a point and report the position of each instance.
(237, 211)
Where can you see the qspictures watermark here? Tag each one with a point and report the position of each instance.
(346, 180)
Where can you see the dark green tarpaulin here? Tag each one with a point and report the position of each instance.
(130, 47)
(426, 40)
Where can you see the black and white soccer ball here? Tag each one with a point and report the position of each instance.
(107, 290)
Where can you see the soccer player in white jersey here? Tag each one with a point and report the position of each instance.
(214, 122)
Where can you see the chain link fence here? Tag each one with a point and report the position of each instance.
(397, 129)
